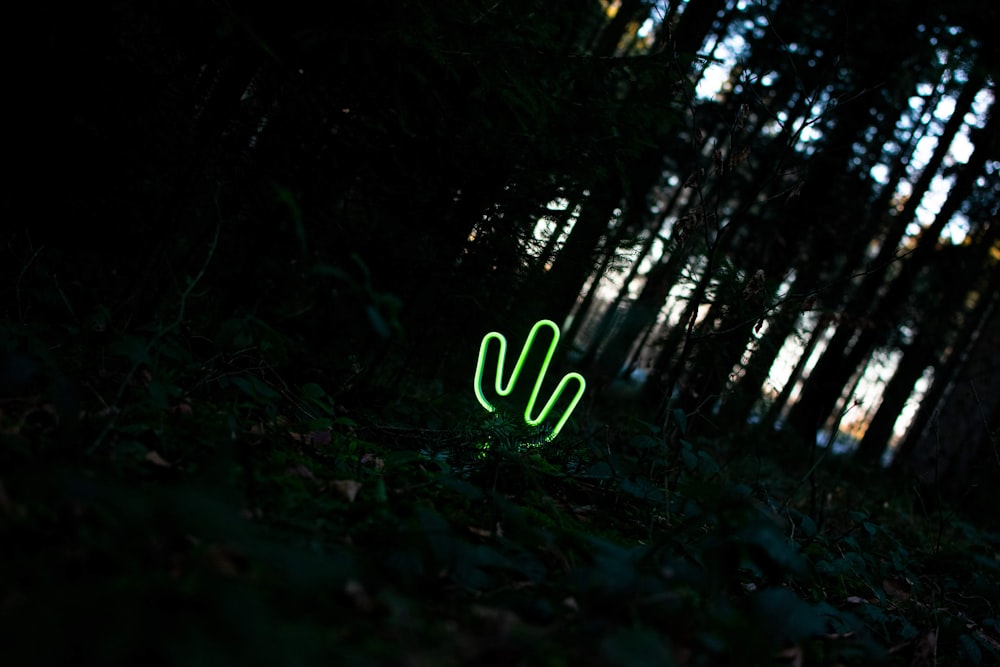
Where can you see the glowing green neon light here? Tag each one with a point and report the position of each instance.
(504, 391)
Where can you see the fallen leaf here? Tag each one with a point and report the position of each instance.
(311, 438)
(157, 460)
(898, 589)
(501, 621)
(319, 438)
(372, 460)
(348, 488)
(182, 408)
(791, 656)
(300, 471)
(226, 561)
(356, 591)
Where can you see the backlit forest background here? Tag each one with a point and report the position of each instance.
(250, 251)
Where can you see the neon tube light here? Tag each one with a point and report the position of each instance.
(506, 390)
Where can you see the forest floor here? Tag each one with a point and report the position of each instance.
(154, 514)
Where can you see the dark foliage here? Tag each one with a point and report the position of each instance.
(250, 253)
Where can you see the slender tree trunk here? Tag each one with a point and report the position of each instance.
(843, 405)
(576, 260)
(581, 314)
(645, 308)
(614, 30)
(781, 401)
(654, 234)
(739, 404)
(608, 317)
(561, 219)
(695, 25)
(915, 360)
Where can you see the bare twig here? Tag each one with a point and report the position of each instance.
(178, 320)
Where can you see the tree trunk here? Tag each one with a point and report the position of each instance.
(645, 308)
(773, 416)
(915, 360)
(958, 456)
(614, 30)
(835, 367)
(575, 261)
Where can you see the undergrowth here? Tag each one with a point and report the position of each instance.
(168, 498)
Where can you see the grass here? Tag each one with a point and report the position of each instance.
(166, 503)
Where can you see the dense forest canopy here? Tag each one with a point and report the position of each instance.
(770, 219)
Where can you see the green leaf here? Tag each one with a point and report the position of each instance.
(132, 348)
(528, 566)
(133, 429)
(774, 547)
(969, 649)
(807, 525)
(681, 420)
(707, 463)
(461, 486)
(688, 456)
(403, 457)
(324, 269)
(643, 489)
(313, 391)
(320, 424)
(645, 442)
(439, 535)
(286, 197)
(637, 647)
(160, 392)
(653, 428)
(381, 496)
(786, 616)
(378, 322)
(254, 387)
(600, 470)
